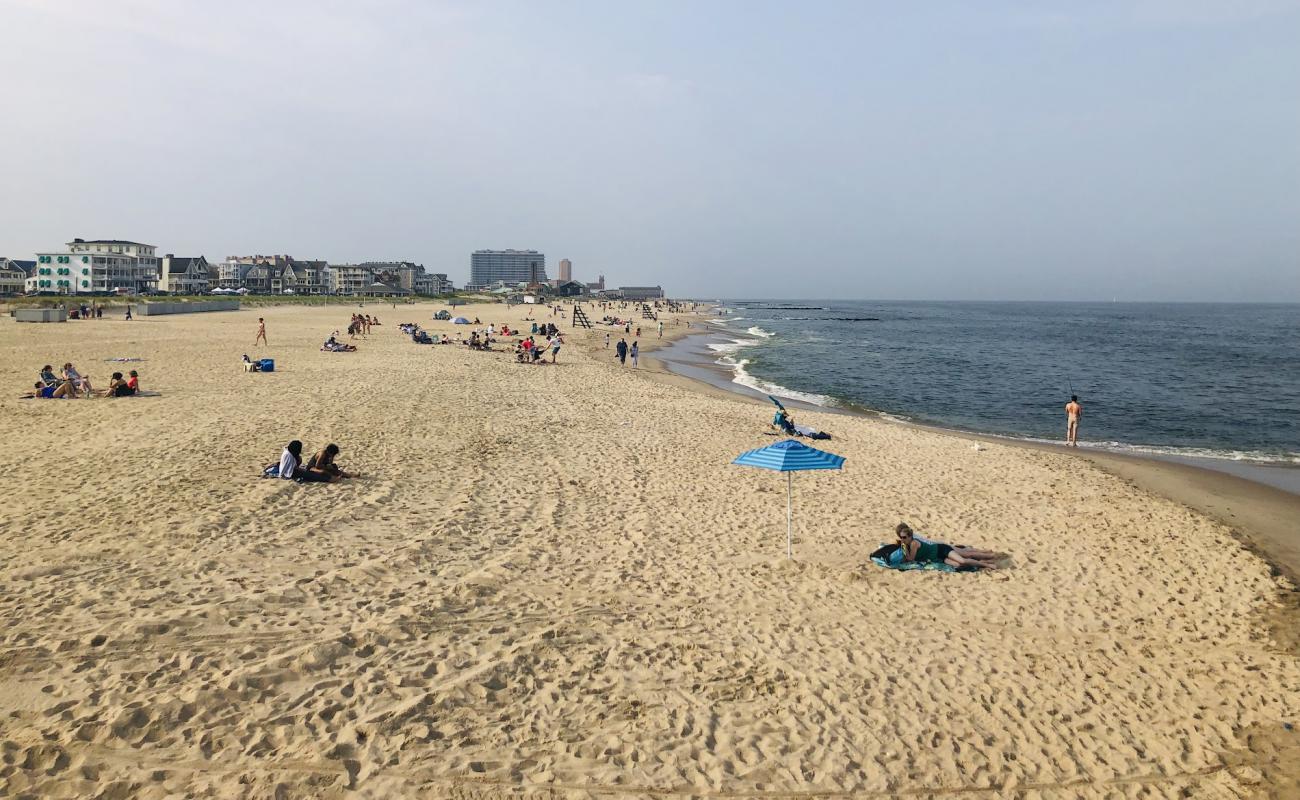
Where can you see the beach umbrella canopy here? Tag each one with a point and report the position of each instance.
(789, 456)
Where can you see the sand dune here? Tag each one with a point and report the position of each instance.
(549, 582)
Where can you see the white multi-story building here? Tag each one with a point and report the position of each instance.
(98, 265)
(486, 267)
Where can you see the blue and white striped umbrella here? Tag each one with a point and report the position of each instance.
(789, 456)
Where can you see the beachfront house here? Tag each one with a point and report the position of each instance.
(350, 278)
(13, 275)
(303, 277)
(231, 274)
(96, 265)
(433, 283)
(569, 289)
(183, 274)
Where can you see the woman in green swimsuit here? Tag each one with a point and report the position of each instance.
(937, 552)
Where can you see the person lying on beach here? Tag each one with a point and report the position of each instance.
(80, 381)
(61, 391)
(911, 549)
(333, 345)
(323, 463)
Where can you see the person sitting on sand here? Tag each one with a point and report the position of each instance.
(291, 467)
(911, 549)
(80, 381)
(323, 463)
(61, 391)
(117, 387)
(133, 382)
(784, 423)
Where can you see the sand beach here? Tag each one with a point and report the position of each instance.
(549, 581)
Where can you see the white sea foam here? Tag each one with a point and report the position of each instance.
(744, 378)
(757, 331)
(1243, 456)
(731, 346)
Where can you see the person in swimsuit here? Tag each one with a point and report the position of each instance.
(1072, 413)
(912, 549)
(117, 387)
(61, 391)
(323, 463)
(261, 332)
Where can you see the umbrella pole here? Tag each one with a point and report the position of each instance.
(789, 490)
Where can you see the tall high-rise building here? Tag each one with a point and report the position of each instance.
(487, 267)
(566, 270)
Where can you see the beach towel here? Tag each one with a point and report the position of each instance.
(810, 433)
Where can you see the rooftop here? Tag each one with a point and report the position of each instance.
(107, 241)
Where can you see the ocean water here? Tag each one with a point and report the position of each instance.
(1196, 380)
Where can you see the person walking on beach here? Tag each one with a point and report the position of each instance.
(128, 312)
(661, 329)
(1072, 413)
(635, 351)
(620, 350)
(606, 340)
(261, 333)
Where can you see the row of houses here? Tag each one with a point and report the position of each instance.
(99, 266)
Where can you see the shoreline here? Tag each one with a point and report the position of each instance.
(1264, 516)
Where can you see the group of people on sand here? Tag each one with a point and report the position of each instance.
(69, 384)
(361, 324)
(529, 351)
(622, 351)
(320, 468)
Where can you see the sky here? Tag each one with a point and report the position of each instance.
(937, 150)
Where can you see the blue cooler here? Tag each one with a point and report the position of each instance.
(267, 365)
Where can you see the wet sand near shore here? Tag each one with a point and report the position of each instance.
(550, 582)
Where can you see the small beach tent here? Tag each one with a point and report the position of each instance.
(460, 321)
(789, 456)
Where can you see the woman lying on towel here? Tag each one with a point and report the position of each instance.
(911, 549)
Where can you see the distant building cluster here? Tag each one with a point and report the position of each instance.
(523, 272)
(118, 266)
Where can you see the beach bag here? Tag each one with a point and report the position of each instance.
(272, 471)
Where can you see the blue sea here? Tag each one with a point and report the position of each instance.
(1197, 380)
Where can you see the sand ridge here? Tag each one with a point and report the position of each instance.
(549, 581)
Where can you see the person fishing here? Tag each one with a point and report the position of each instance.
(1073, 410)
